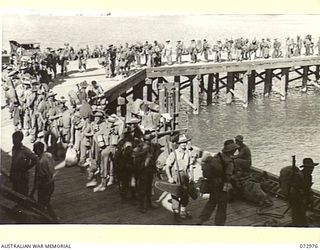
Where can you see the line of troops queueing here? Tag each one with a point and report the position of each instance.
(119, 59)
(132, 158)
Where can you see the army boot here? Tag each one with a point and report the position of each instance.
(176, 216)
(184, 214)
(92, 183)
(110, 181)
(101, 187)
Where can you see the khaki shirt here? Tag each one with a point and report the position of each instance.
(45, 168)
(182, 162)
(22, 159)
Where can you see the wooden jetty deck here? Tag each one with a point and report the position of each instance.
(74, 203)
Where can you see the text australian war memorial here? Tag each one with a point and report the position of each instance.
(160, 128)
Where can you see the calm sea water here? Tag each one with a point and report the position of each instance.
(274, 130)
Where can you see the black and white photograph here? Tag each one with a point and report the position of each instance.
(111, 118)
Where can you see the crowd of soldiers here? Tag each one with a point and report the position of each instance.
(109, 147)
(120, 59)
(152, 54)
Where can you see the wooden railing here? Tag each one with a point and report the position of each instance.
(207, 68)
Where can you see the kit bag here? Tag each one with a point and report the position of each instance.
(71, 157)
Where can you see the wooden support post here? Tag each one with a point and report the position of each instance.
(149, 89)
(268, 82)
(196, 90)
(245, 81)
(123, 107)
(210, 89)
(230, 86)
(191, 87)
(176, 102)
(162, 96)
(112, 107)
(317, 72)
(284, 83)
(217, 81)
(305, 78)
(201, 84)
(177, 93)
(252, 84)
(138, 91)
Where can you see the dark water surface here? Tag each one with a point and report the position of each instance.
(273, 130)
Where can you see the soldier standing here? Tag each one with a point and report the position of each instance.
(193, 51)
(146, 53)
(112, 138)
(22, 160)
(53, 115)
(179, 169)
(218, 170)
(168, 52)
(44, 177)
(276, 48)
(179, 50)
(205, 50)
(31, 104)
(299, 45)
(299, 192)
(228, 47)
(64, 57)
(145, 156)
(98, 130)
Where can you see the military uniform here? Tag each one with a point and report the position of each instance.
(145, 156)
(205, 50)
(300, 193)
(53, 115)
(23, 159)
(179, 166)
(45, 181)
(218, 170)
(168, 52)
(193, 51)
(179, 50)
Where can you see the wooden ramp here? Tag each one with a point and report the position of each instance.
(76, 204)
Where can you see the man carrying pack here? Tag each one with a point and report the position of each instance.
(179, 50)
(218, 170)
(44, 177)
(300, 192)
(145, 156)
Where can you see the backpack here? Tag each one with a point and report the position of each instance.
(213, 166)
(287, 177)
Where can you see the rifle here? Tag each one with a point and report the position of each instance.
(169, 132)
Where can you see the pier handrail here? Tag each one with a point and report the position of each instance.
(113, 93)
(207, 68)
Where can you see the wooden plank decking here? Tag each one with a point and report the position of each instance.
(76, 204)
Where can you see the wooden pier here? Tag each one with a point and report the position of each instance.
(155, 84)
(74, 203)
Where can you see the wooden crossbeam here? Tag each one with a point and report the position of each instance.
(261, 75)
(296, 78)
(277, 75)
(237, 79)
